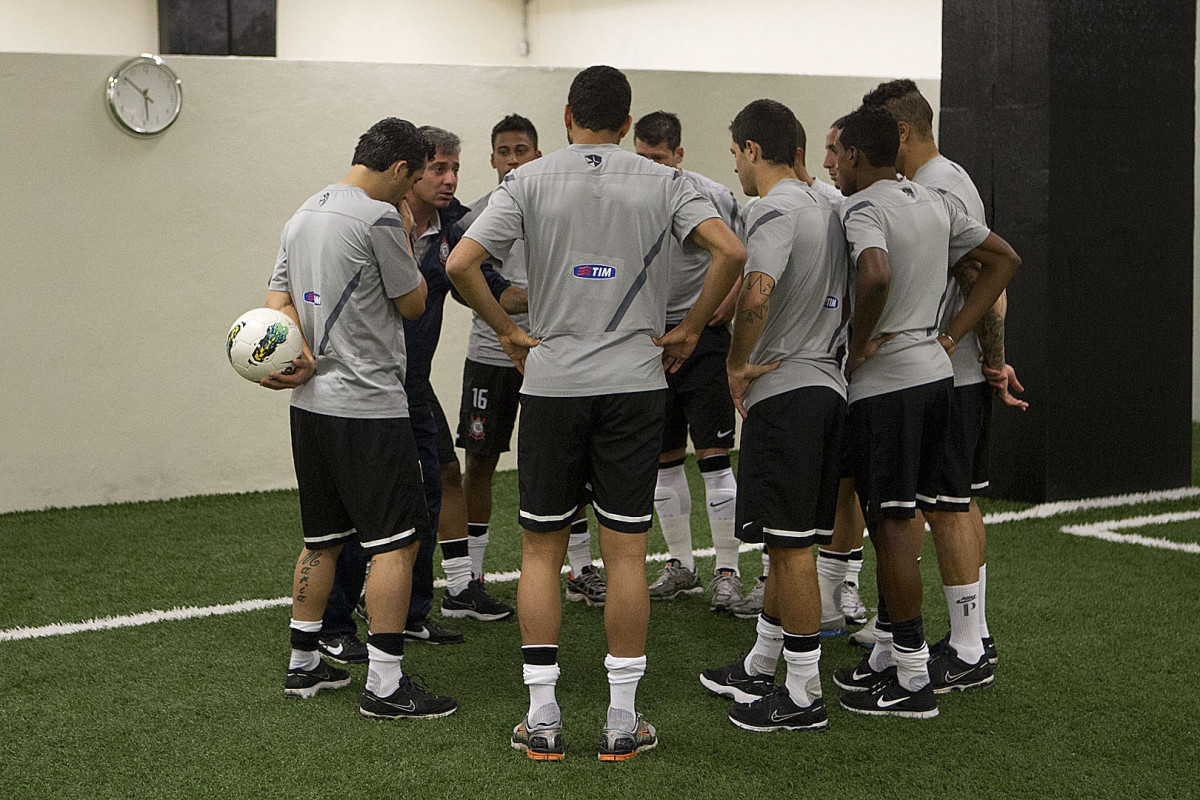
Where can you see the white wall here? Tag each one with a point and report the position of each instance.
(126, 260)
(780, 36)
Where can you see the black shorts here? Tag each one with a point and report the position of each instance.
(698, 396)
(358, 477)
(445, 442)
(601, 449)
(975, 417)
(789, 467)
(902, 454)
(490, 398)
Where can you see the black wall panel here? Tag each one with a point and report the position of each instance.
(1075, 119)
(217, 27)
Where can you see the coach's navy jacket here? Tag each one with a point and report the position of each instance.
(421, 334)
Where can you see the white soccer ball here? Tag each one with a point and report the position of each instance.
(263, 341)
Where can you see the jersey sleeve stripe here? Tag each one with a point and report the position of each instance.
(774, 213)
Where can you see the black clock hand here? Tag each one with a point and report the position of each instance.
(134, 85)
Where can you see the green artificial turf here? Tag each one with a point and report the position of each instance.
(1095, 693)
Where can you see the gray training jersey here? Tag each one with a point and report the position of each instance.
(689, 262)
(595, 219)
(343, 257)
(794, 236)
(483, 346)
(947, 178)
(923, 234)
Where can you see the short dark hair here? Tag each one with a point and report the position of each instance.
(873, 131)
(600, 98)
(801, 137)
(772, 125)
(391, 140)
(442, 140)
(840, 122)
(515, 123)
(905, 102)
(659, 127)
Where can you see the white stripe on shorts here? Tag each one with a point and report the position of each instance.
(620, 517)
(983, 485)
(389, 539)
(329, 538)
(797, 534)
(899, 504)
(941, 498)
(551, 517)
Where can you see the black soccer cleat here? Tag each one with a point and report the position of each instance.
(862, 678)
(949, 673)
(428, 631)
(778, 712)
(410, 701)
(475, 602)
(733, 681)
(891, 699)
(307, 682)
(344, 648)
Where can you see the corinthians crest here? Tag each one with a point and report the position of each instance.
(475, 429)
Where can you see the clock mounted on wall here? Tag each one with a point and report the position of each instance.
(144, 96)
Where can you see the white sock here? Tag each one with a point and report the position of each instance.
(963, 602)
(854, 566)
(383, 672)
(983, 628)
(579, 551)
(831, 571)
(720, 490)
(673, 504)
(305, 659)
(456, 563)
(623, 677)
(541, 680)
(477, 542)
(803, 675)
(911, 669)
(882, 654)
(763, 658)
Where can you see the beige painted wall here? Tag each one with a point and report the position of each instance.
(125, 261)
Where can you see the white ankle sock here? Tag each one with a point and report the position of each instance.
(477, 542)
(305, 659)
(579, 552)
(383, 672)
(965, 638)
(541, 680)
(983, 628)
(673, 504)
(623, 677)
(763, 658)
(911, 669)
(831, 571)
(803, 675)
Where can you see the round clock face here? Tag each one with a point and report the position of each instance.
(144, 96)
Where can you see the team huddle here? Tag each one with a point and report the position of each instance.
(623, 303)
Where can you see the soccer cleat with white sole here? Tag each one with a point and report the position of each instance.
(852, 606)
(751, 604)
(732, 680)
(890, 699)
(411, 700)
(307, 682)
(778, 712)
(867, 635)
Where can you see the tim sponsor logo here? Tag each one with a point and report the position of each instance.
(831, 302)
(594, 272)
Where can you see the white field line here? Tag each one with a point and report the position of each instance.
(1108, 531)
(193, 612)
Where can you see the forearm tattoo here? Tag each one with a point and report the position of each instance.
(990, 331)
